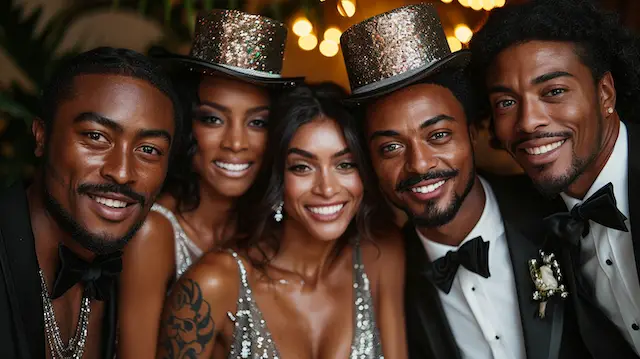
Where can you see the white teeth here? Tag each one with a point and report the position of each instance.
(113, 203)
(232, 166)
(540, 150)
(327, 210)
(428, 189)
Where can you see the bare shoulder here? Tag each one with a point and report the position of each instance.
(216, 274)
(155, 235)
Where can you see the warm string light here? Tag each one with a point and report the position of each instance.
(478, 5)
(347, 8)
(330, 45)
(463, 33)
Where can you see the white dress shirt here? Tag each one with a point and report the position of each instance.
(606, 256)
(483, 313)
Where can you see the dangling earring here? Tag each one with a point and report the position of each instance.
(610, 110)
(278, 215)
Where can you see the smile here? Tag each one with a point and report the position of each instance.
(233, 167)
(113, 203)
(326, 210)
(429, 188)
(541, 150)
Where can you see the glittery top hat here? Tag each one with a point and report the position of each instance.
(245, 46)
(395, 49)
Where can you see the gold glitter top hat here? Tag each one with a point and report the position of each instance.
(246, 46)
(395, 49)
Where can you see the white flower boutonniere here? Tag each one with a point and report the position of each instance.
(547, 277)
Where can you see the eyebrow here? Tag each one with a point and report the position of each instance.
(99, 119)
(536, 81)
(226, 110)
(430, 122)
(550, 76)
(155, 134)
(113, 125)
(311, 156)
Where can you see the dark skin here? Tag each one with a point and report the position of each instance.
(543, 95)
(131, 149)
(229, 127)
(418, 130)
(309, 313)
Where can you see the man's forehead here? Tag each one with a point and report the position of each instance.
(533, 59)
(120, 98)
(420, 101)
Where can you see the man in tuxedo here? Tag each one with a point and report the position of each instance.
(563, 82)
(104, 136)
(469, 292)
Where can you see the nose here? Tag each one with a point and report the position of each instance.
(117, 166)
(419, 158)
(235, 138)
(326, 184)
(532, 116)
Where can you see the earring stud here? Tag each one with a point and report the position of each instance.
(278, 215)
(610, 110)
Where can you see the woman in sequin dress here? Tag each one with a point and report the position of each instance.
(228, 97)
(315, 271)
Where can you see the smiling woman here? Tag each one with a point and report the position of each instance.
(304, 253)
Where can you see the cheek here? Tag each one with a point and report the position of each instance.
(504, 128)
(207, 140)
(295, 187)
(257, 143)
(353, 184)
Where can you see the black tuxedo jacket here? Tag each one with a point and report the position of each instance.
(21, 315)
(601, 335)
(556, 336)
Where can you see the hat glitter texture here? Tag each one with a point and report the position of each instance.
(394, 49)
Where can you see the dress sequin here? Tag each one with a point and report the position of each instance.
(187, 252)
(252, 339)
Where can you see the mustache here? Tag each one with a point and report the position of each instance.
(537, 135)
(86, 188)
(406, 184)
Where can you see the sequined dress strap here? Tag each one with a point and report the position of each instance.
(186, 251)
(366, 342)
(251, 338)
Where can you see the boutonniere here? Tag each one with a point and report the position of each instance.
(547, 278)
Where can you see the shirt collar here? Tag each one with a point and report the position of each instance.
(614, 171)
(489, 227)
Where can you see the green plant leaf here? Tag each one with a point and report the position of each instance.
(15, 109)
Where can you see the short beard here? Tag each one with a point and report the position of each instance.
(550, 187)
(432, 217)
(98, 244)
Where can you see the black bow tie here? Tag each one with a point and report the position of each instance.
(600, 208)
(473, 255)
(97, 276)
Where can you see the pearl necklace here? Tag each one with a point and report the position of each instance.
(75, 348)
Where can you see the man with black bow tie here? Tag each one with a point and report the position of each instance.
(105, 135)
(563, 81)
(469, 291)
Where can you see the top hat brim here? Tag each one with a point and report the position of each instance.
(456, 60)
(202, 66)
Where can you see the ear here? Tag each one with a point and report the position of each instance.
(38, 129)
(607, 95)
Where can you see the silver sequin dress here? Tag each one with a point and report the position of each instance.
(187, 252)
(252, 339)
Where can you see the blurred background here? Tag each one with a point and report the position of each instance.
(36, 35)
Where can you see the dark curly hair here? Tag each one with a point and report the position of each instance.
(257, 228)
(602, 44)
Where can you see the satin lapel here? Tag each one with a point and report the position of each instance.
(19, 245)
(633, 133)
(542, 336)
(425, 315)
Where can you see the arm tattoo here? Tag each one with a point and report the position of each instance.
(189, 327)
